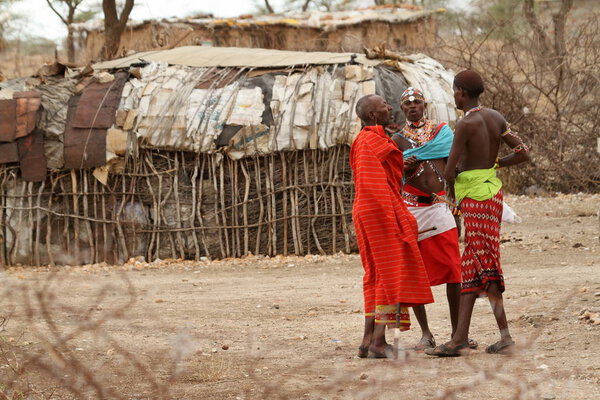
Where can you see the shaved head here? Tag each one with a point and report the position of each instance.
(373, 110)
(470, 81)
(364, 106)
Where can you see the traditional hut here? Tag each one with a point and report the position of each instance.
(403, 27)
(191, 152)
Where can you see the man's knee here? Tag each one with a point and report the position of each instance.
(494, 290)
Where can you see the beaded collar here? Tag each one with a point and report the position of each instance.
(420, 132)
(472, 110)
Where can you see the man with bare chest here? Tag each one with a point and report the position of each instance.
(471, 171)
(426, 146)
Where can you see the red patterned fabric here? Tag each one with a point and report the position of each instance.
(385, 230)
(481, 257)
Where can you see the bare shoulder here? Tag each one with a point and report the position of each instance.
(467, 125)
(495, 116)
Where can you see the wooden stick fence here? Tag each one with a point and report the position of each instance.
(181, 205)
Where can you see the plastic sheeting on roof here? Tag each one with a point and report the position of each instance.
(171, 107)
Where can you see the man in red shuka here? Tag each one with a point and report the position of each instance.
(385, 230)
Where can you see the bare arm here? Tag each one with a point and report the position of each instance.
(520, 152)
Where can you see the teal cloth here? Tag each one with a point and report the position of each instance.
(477, 184)
(438, 147)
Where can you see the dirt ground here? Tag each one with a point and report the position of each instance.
(289, 327)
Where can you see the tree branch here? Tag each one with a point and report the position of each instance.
(125, 13)
(560, 20)
(535, 25)
(269, 8)
(57, 13)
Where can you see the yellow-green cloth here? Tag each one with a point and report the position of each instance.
(477, 184)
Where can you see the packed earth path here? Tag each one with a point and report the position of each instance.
(289, 327)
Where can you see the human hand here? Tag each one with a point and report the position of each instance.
(392, 128)
(411, 163)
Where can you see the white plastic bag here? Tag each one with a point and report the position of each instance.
(509, 215)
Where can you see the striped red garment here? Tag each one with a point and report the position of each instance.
(386, 231)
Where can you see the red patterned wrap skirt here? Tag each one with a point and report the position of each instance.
(481, 256)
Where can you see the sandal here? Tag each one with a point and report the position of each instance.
(425, 344)
(500, 347)
(389, 350)
(444, 351)
(473, 344)
(363, 352)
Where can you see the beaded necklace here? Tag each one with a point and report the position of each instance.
(420, 132)
(417, 134)
(472, 110)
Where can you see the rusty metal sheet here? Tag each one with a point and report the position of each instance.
(83, 147)
(98, 104)
(9, 152)
(27, 104)
(32, 158)
(7, 120)
(30, 94)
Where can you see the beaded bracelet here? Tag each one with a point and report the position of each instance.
(520, 147)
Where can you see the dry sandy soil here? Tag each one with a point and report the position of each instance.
(289, 327)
